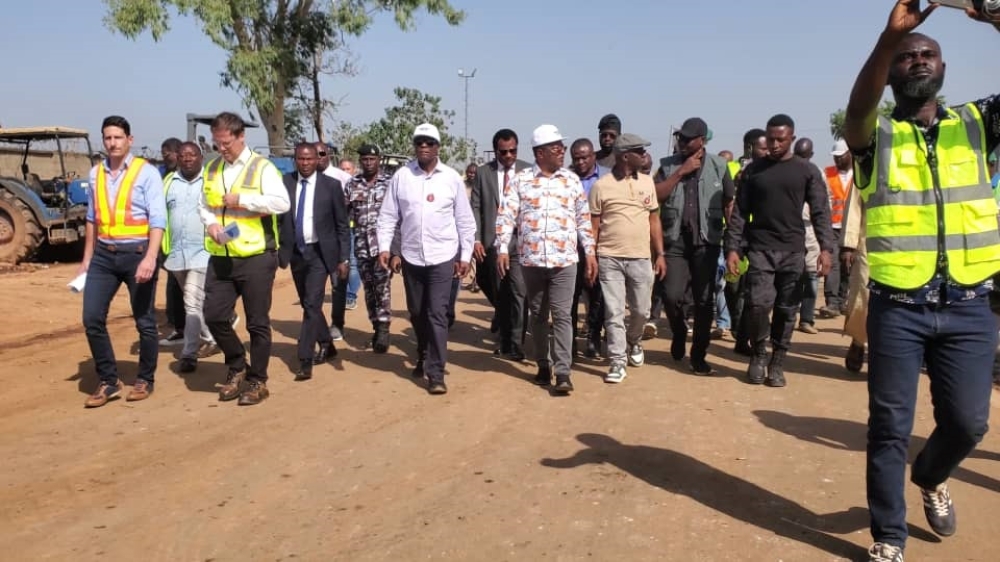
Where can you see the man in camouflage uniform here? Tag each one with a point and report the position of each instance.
(366, 192)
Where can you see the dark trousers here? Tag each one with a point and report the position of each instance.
(837, 281)
(456, 286)
(691, 266)
(176, 315)
(507, 296)
(338, 296)
(773, 285)
(428, 296)
(106, 274)
(252, 279)
(595, 302)
(309, 274)
(957, 342)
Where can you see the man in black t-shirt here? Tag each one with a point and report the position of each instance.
(773, 190)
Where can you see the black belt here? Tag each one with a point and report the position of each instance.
(129, 248)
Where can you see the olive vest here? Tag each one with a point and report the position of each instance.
(710, 209)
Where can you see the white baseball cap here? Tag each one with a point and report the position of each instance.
(545, 134)
(427, 130)
(839, 148)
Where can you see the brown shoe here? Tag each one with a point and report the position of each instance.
(255, 393)
(104, 393)
(231, 389)
(140, 391)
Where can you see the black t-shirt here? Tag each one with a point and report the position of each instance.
(773, 192)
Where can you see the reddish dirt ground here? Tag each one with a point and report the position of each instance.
(361, 464)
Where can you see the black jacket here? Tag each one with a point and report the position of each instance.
(330, 223)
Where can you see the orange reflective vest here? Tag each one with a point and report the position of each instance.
(838, 194)
(115, 220)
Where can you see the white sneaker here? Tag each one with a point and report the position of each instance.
(175, 338)
(649, 331)
(335, 334)
(636, 356)
(881, 552)
(616, 374)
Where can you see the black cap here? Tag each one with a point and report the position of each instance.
(610, 121)
(369, 150)
(693, 128)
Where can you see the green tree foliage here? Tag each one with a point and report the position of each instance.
(393, 133)
(885, 109)
(271, 44)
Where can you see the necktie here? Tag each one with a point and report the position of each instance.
(506, 179)
(300, 231)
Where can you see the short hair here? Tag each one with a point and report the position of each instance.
(503, 134)
(116, 121)
(172, 143)
(189, 144)
(229, 121)
(752, 136)
(342, 160)
(306, 146)
(580, 143)
(781, 120)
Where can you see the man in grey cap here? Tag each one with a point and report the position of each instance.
(626, 225)
(697, 192)
(608, 130)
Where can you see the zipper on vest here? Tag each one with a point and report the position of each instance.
(932, 161)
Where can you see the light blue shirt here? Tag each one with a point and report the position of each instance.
(589, 181)
(187, 233)
(148, 201)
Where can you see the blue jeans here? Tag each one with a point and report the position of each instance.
(722, 320)
(107, 271)
(957, 341)
(809, 285)
(353, 278)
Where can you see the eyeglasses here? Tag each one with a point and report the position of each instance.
(507, 151)
(424, 142)
(555, 148)
(321, 153)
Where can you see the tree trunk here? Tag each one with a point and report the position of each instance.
(274, 123)
(317, 105)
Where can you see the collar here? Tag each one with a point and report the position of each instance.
(311, 179)
(177, 176)
(417, 170)
(560, 173)
(595, 173)
(941, 114)
(619, 176)
(244, 156)
(128, 161)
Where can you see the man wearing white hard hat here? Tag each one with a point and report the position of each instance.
(839, 181)
(547, 206)
(427, 202)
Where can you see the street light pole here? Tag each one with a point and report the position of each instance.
(462, 74)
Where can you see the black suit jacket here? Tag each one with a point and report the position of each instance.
(485, 200)
(330, 223)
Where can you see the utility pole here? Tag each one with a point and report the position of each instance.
(462, 74)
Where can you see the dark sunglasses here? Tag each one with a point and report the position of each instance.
(425, 142)
(321, 153)
(507, 151)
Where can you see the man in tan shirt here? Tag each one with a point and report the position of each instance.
(625, 213)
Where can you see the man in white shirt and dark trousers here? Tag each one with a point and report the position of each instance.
(243, 194)
(427, 202)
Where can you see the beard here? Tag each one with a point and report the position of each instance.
(922, 88)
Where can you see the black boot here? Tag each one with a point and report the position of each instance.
(776, 370)
(380, 341)
(757, 370)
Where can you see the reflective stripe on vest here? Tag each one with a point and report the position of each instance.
(116, 221)
(906, 229)
(838, 194)
(165, 244)
(734, 168)
(258, 232)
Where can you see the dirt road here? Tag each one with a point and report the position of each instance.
(361, 464)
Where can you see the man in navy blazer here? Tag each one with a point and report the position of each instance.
(315, 241)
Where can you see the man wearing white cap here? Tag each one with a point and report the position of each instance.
(547, 206)
(839, 181)
(427, 202)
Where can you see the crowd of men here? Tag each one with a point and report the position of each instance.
(904, 226)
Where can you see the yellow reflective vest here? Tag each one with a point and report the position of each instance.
(925, 210)
(115, 220)
(258, 233)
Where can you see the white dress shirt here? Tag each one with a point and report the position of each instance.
(343, 177)
(308, 232)
(273, 199)
(433, 215)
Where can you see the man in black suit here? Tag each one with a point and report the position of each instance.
(506, 294)
(316, 243)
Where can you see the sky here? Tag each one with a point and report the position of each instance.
(654, 63)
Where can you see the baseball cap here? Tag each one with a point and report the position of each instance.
(629, 141)
(545, 134)
(839, 148)
(427, 130)
(693, 128)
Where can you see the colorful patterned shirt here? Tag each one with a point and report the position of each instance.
(365, 202)
(551, 216)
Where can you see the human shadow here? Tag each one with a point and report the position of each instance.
(849, 435)
(86, 375)
(681, 474)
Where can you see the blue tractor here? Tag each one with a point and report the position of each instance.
(45, 200)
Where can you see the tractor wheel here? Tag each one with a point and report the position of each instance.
(20, 233)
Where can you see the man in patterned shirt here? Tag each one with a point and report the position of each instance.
(547, 206)
(367, 190)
